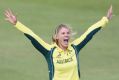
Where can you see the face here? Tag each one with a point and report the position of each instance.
(63, 37)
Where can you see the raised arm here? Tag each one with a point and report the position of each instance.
(38, 43)
(87, 36)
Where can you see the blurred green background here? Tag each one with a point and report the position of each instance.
(19, 60)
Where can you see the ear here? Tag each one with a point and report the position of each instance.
(56, 37)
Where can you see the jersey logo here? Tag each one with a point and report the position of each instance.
(59, 55)
(64, 60)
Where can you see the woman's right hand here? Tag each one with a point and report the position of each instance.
(10, 17)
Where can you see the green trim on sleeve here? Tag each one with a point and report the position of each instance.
(99, 24)
(26, 30)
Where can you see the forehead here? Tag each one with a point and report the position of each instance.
(64, 29)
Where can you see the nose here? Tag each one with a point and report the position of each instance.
(66, 35)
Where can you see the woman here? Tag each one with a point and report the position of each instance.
(61, 56)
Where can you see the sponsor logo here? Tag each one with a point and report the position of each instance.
(64, 60)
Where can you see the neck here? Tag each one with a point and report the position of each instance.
(63, 47)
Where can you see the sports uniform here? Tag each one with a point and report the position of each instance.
(62, 65)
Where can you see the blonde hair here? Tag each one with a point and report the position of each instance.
(57, 31)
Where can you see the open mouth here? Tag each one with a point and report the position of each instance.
(66, 41)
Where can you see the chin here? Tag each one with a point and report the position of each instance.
(66, 46)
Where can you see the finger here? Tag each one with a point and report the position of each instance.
(7, 12)
(109, 13)
(10, 11)
(110, 9)
(7, 19)
(6, 15)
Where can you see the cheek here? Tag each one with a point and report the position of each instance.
(59, 37)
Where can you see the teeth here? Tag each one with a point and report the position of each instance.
(66, 40)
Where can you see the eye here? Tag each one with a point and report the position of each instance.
(68, 32)
(63, 33)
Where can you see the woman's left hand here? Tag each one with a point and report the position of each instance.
(109, 13)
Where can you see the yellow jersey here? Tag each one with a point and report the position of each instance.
(62, 65)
